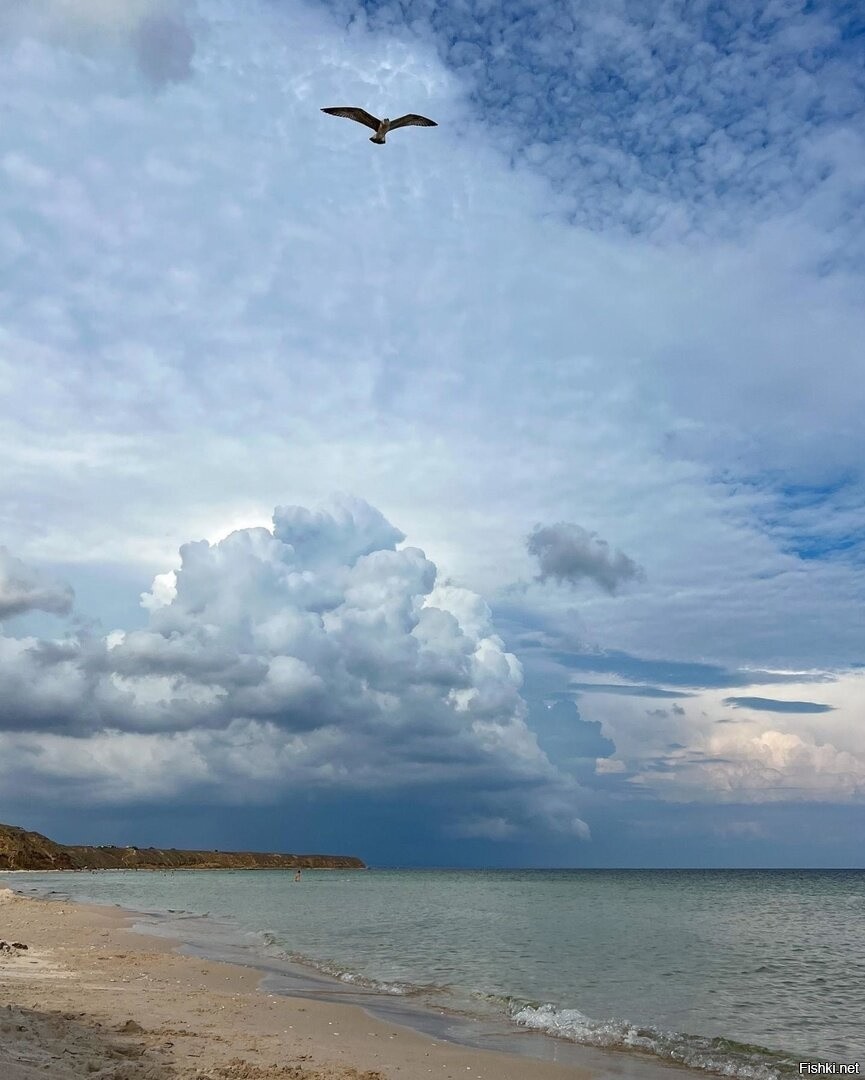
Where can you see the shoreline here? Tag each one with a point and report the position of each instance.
(154, 1013)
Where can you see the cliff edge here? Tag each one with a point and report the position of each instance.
(22, 850)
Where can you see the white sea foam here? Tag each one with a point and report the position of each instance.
(719, 1056)
(572, 1024)
(381, 987)
(363, 982)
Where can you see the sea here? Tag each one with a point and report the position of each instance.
(738, 973)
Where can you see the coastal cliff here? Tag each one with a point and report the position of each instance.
(22, 850)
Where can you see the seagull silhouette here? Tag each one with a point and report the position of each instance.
(380, 127)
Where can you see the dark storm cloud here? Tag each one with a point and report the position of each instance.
(696, 676)
(578, 737)
(569, 553)
(627, 690)
(24, 589)
(164, 48)
(775, 706)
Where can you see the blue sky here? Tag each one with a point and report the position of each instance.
(492, 497)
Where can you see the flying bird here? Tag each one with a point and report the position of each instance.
(380, 127)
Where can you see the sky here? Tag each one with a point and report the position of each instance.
(494, 497)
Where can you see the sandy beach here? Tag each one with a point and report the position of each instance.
(89, 998)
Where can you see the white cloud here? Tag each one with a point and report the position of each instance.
(605, 766)
(774, 766)
(318, 654)
(718, 753)
(162, 591)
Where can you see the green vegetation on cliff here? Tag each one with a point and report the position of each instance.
(22, 850)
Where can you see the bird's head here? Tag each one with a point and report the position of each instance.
(386, 120)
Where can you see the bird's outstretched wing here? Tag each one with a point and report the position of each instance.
(412, 120)
(350, 113)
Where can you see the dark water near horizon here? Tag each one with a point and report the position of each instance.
(737, 972)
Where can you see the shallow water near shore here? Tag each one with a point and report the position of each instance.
(742, 973)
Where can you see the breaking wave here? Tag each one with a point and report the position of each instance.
(724, 1057)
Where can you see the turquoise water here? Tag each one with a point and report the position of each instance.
(740, 972)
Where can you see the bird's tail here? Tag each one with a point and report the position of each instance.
(378, 141)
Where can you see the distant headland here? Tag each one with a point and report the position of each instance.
(23, 850)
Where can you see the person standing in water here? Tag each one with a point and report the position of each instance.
(297, 875)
